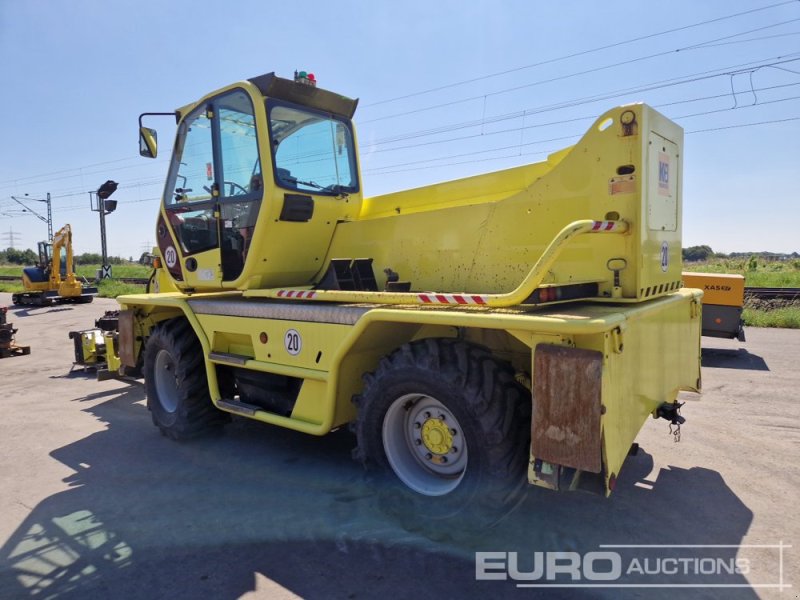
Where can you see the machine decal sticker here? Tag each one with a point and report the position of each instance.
(171, 256)
(293, 342)
(296, 294)
(451, 299)
(664, 257)
(663, 174)
(605, 226)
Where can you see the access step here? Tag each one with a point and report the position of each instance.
(239, 408)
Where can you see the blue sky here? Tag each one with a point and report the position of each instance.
(76, 74)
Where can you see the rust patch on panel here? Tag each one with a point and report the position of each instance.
(566, 406)
(127, 338)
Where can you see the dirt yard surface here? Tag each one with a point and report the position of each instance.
(95, 503)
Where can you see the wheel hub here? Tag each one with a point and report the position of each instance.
(166, 381)
(436, 436)
(424, 444)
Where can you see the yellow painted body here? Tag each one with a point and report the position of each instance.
(93, 347)
(718, 288)
(659, 352)
(483, 234)
(605, 212)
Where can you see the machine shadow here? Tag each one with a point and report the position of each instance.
(267, 509)
(723, 358)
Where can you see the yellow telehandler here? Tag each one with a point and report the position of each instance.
(511, 327)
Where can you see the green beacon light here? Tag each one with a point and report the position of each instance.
(305, 77)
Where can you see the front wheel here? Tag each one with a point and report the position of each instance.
(451, 426)
(176, 384)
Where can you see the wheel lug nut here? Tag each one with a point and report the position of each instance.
(454, 449)
(453, 432)
(441, 417)
(418, 442)
(429, 456)
(444, 459)
(427, 415)
(417, 425)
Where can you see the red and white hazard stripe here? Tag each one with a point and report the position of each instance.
(606, 225)
(451, 299)
(304, 295)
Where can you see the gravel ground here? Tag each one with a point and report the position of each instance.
(94, 502)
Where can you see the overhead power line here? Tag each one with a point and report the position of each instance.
(744, 125)
(379, 170)
(571, 75)
(578, 54)
(647, 87)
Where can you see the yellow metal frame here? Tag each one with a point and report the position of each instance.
(637, 376)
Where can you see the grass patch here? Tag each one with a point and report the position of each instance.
(128, 270)
(787, 317)
(757, 273)
(90, 271)
(110, 288)
(10, 287)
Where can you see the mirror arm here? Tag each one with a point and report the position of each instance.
(175, 114)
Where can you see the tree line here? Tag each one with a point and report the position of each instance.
(699, 253)
(12, 256)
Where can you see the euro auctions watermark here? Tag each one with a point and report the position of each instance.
(641, 566)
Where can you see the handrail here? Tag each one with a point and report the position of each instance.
(532, 281)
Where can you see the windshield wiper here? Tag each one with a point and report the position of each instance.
(339, 189)
(309, 183)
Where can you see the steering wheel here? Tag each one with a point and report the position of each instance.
(234, 187)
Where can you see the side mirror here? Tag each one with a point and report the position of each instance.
(110, 206)
(148, 142)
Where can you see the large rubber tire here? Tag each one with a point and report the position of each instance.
(176, 384)
(492, 423)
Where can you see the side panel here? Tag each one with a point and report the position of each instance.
(636, 367)
(722, 321)
(657, 356)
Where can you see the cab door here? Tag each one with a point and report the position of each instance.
(214, 191)
(242, 183)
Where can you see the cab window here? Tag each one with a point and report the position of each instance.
(313, 151)
(192, 169)
(241, 168)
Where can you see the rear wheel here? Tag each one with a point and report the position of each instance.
(176, 384)
(450, 426)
